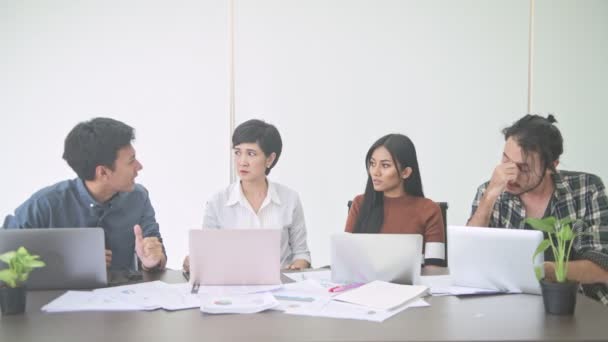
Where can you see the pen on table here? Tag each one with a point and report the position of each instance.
(341, 288)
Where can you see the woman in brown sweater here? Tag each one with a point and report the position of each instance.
(393, 202)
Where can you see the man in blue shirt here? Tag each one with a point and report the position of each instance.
(104, 195)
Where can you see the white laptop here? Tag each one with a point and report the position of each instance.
(494, 258)
(235, 256)
(74, 257)
(362, 258)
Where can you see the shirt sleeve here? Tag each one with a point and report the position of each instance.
(353, 214)
(434, 236)
(149, 226)
(480, 191)
(297, 234)
(593, 246)
(33, 213)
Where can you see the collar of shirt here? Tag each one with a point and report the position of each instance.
(88, 200)
(238, 197)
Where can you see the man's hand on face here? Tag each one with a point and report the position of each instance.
(502, 175)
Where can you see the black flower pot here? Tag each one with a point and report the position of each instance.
(559, 298)
(12, 300)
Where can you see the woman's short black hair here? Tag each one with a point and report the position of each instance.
(95, 142)
(534, 133)
(264, 134)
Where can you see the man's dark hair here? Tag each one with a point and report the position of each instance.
(535, 133)
(95, 142)
(262, 133)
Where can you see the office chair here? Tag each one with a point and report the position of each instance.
(444, 214)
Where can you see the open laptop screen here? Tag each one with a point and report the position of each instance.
(494, 258)
(235, 256)
(367, 257)
(74, 257)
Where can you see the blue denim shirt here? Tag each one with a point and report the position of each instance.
(69, 204)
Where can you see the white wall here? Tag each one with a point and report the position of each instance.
(570, 75)
(160, 67)
(333, 75)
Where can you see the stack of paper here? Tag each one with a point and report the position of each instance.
(335, 309)
(382, 295)
(376, 302)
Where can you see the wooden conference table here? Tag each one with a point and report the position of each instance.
(498, 317)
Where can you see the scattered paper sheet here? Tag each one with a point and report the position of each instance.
(236, 289)
(308, 294)
(323, 277)
(143, 296)
(73, 301)
(238, 304)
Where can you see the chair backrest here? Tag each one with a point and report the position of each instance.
(444, 214)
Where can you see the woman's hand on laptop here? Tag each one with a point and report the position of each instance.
(108, 257)
(149, 249)
(299, 264)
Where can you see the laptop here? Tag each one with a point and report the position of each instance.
(494, 258)
(74, 257)
(362, 258)
(235, 256)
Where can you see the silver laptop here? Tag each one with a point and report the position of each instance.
(74, 257)
(361, 258)
(494, 258)
(235, 256)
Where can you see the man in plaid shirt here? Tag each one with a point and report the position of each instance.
(527, 184)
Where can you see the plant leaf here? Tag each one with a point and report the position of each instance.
(9, 277)
(566, 233)
(8, 256)
(20, 263)
(565, 221)
(36, 264)
(541, 248)
(546, 225)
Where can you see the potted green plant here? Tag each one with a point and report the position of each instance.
(12, 292)
(559, 296)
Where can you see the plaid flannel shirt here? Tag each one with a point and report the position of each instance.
(577, 195)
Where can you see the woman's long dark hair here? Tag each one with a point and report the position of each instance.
(403, 152)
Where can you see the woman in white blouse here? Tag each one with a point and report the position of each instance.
(254, 201)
